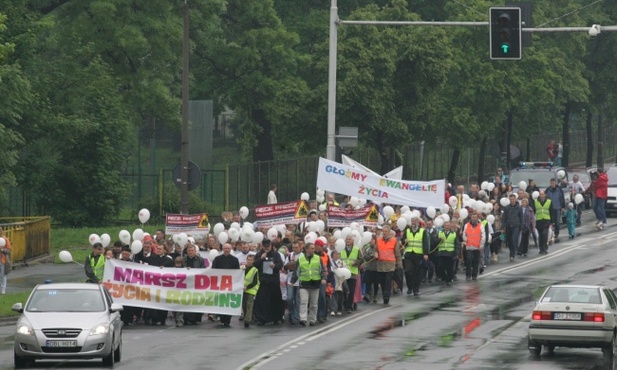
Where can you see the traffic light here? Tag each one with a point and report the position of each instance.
(505, 36)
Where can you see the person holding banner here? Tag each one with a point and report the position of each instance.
(416, 242)
(193, 260)
(352, 257)
(311, 273)
(251, 287)
(225, 261)
(269, 300)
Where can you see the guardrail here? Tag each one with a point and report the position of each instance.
(30, 236)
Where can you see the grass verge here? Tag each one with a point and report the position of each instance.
(7, 300)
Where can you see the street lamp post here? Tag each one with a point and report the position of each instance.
(184, 141)
(331, 148)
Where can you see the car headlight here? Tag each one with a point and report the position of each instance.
(100, 329)
(25, 330)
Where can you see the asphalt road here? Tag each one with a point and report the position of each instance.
(471, 325)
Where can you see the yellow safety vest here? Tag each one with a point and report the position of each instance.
(249, 276)
(447, 242)
(543, 212)
(310, 271)
(415, 242)
(355, 252)
(99, 267)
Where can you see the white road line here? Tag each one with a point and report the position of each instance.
(268, 356)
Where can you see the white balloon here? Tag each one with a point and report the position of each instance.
(438, 222)
(357, 237)
(305, 196)
(466, 197)
(408, 216)
(320, 225)
(310, 237)
(191, 240)
(561, 174)
(453, 201)
(138, 234)
(415, 214)
(212, 254)
(578, 198)
(380, 220)
(218, 228)
(366, 237)
(2, 242)
(272, 233)
(281, 228)
(339, 245)
(445, 218)
(346, 231)
(235, 225)
(244, 212)
(362, 202)
(182, 239)
(321, 192)
(431, 212)
(354, 201)
(401, 223)
(322, 208)
(144, 215)
(174, 237)
(320, 199)
(490, 186)
(490, 219)
(223, 237)
(405, 209)
(535, 194)
(522, 184)
(65, 256)
(312, 226)
(93, 238)
(258, 237)
(105, 239)
(484, 185)
(125, 237)
(471, 203)
(463, 213)
(136, 246)
(343, 273)
(248, 225)
(504, 201)
(247, 234)
(445, 208)
(234, 234)
(388, 211)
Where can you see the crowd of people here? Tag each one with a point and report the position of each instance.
(304, 281)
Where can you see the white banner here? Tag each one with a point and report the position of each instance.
(339, 178)
(175, 289)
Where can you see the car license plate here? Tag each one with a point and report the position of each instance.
(567, 316)
(61, 343)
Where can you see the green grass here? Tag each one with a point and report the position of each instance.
(8, 300)
(75, 240)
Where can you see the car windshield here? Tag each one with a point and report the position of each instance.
(542, 178)
(572, 295)
(612, 176)
(66, 300)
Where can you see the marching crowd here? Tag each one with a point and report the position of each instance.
(304, 280)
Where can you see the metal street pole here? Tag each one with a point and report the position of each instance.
(331, 148)
(184, 143)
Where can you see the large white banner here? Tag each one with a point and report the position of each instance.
(175, 289)
(339, 178)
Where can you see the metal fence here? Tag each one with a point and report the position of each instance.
(29, 236)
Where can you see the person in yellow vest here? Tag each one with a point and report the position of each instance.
(95, 264)
(312, 275)
(388, 257)
(5, 261)
(542, 210)
(447, 251)
(416, 243)
(474, 238)
(352, 256)
(251, 286)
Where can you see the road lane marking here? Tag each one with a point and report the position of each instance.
(268, 356)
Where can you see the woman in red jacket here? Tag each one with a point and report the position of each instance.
(601, 192)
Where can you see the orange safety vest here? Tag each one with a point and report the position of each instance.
(3, 257)
(325, 260)
(474, 235)
(386, 249)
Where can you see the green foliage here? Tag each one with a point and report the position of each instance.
(171, 204)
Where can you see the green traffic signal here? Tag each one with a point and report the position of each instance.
(505, 48)
(505, 33)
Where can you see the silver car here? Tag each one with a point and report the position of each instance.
(582, 316)
(68, 321)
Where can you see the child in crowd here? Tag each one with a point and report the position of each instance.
(571, 220)
(340, 285)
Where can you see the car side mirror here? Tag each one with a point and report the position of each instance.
(18, 307)
(115, 307)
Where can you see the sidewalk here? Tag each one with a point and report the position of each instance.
(23, 279)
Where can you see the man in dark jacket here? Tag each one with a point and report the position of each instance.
(225, 261)
(269, 300)
(511, 221)
(558, 204)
